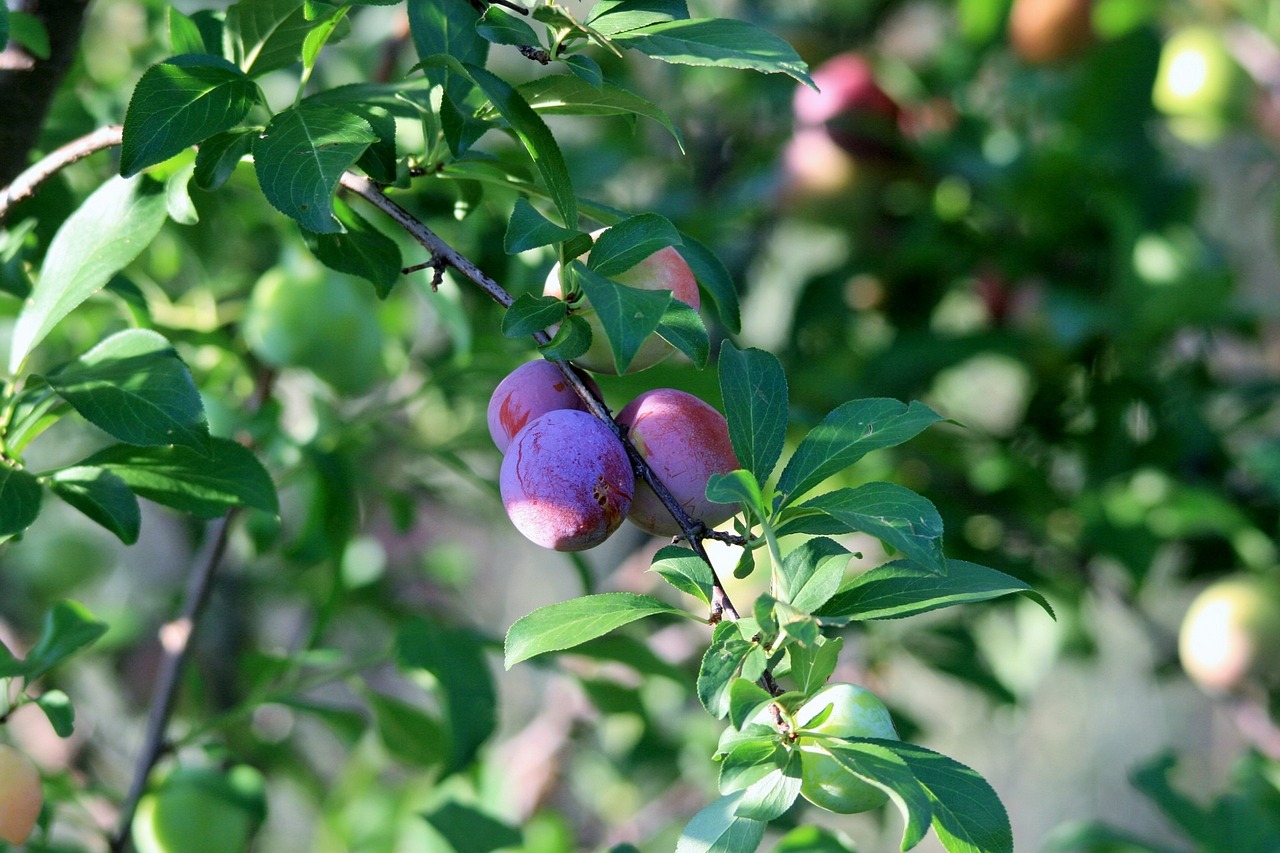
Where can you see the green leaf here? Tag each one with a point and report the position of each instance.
(179, 102)
(721, 42)
(749, 757)
(571, 341)
(568, 623)
(812, 572)
(567, 94)
(587, 70)
(610, 17)
(902, 588)
(20, 496)
(184, 34)
(746, 698)
(501, 27)
(60, 712)
(410, 734)
(448, 28)
(529, 314)
(684, 570)
(628, 315)
(266, 35)
(134, 387)
(536, 138)
(848, 433)
(967, 814)
(469, 830)
(718, 829)
(332, 28)
(769, 797)
(682, 327)
(738, 487)
(893, 514)
(754, 389)
(723, 660)
(361, 250)
(716, 281)
(813, 839)
(455, 657)
(529, 229)
(203, 484)
(812, 665)
(177, 194)
(101, 496)
(872, 761)
(220, 154)
(4, 25)
(106, 233)
(301, 156)
(621, 247)
(68, 628)
(29, 31)
(10, 666)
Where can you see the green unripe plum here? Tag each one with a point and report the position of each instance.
(663, 270)
(21, 796)
(855, 712)
(1198, 85)
(201, 810)
(1231, 634)
(302, 316)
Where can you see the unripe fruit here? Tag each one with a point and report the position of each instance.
(201, 810)
(685, 441)
(1231, 634)
(855, 712)
(528, 392)
(663, 270)
(1198, 85)
(1046, 31)
(302, 316)
(21, 796)
(566, 481)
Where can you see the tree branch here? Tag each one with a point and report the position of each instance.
(24, 185)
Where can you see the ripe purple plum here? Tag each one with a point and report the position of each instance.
(21, 796)
(663, 270)
(528, 392)
(566, 481)
(685, 441)
(855, 712)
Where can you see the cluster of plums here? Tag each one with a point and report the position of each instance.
(566, 480)
(21, 796)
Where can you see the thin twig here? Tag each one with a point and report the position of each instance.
(24, 186)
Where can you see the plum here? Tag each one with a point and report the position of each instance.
(566, 481)
(684, 441)
(21, 796)
(663, 270)
(1047, 31)
(855, 712)
(530, 391)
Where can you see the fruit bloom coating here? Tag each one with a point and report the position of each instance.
(663, 270)
(1231, 633)
(855, 712)
(685, 441)
(528, 392)
(1047, 31)
(566, 482)
(20, 795)
(200, 810)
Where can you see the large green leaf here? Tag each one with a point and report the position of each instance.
(848, 433)
(893, 514)
(684, 570)
(469, 830)
(68, 627)
(611, 17)
(967, 814)
(620, 247)
(754, 389)
(628, 315)
(446, 27)
(179, 102)
(301, 156)
(567, 94)
(719, 829)
(20, 496)
(811, 573)
(568, 623)
(106, 232)
(103, 497)
(682, 327)
(717, 41)
(134, 387)
(872, 762)
(529, 229)
(266, 35)
(360, 250)
(902, 588)
(203, 484)
(456, 660)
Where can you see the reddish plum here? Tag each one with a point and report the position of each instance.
(566, 482)
(528, 392)
(685, 441)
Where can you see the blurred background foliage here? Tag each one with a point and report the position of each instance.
(1051, 237)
